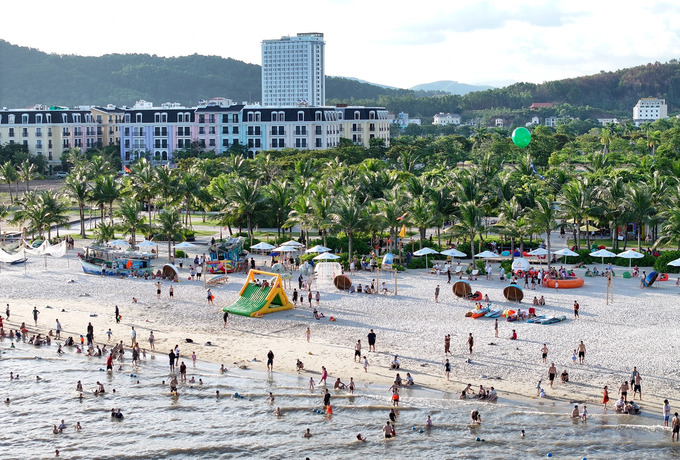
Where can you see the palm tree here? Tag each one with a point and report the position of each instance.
(392, 207)
(576, 205)
(105, 191)
(144, 183)
(544, 217)
(640, 208)
(421, 214)
(9, 175)
(279, 195)
(27, 171)
(77, 188)
(131, 220)
(103, 233)
(245, 199)
(166, 183)
(4, 212)
(350, 216)
(170, 228)
(40, 210)
(470, 222)
(321, 204)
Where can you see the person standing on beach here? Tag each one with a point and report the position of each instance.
(357, 351)
(171, 291)
(152, 339)
(576, 308)
(605, 397)
(495, 328)
(295, 296)
(447, 369)
(326, 398)
(436, 294)
(183, 372)
(365, 364)
(58, 329)
(447, 345)
(210, 297)
(35, 315)
(552, 372)
(309, 298)
(666, 412)
(638, 386)
(225, 317)
(544, 353)
(623, 391)
(581, 352)
(471, 342)
(270, 361)
(448, 275)
(632, 377)
(371, 341)
(171, 356)
(318, 298)
(133, 336)
(117, 314)
(158, 290)
(7, 312)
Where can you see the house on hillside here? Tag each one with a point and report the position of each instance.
(550, 122)
(608, 120)
(534, 121)
(443, 119)
(541, 105)
(648, 110)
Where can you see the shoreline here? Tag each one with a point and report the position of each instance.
(331, 346)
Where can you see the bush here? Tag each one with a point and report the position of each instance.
(189, 235)
(661, 262)
(179, 253)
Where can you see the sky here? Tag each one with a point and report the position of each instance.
(398, 43)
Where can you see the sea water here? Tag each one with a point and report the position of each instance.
(197, 424)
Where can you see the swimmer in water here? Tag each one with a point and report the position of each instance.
(521, 434)
(361, 438)
(79, 386)
(37, 378)
(277, 412)
(271, 398)
(55, 430)
(78, 427)
(307, 434)
(223, 369)
(428, 422)
(62, 425)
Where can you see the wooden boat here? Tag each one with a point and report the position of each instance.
(115, 262)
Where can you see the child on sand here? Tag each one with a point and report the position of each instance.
(365, 364)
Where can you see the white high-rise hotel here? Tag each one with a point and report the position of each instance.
(293, 71)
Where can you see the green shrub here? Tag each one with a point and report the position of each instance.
(189, 235)
(179, 253)
(661, 262)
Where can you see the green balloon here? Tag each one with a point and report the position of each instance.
(521, 137)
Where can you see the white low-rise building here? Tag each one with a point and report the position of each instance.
(443, 119)
(649, 109)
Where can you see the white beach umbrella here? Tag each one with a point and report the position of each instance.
(566, 252)
(630, 255)
(285, 249)
(538, 252)
(119, 243)
(263, 246)
(185, 245)
(318, 248)
(453, 253)
(293, 243)
(602, 253)
(326, 256)
(425, 252)
(486, 255)
(147, 244)
(674, 263)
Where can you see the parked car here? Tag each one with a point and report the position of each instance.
(61, 175)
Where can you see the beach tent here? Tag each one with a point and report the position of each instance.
(513, 293)
(256, 300)
(520, 263)
(630, 255)
(462, 288)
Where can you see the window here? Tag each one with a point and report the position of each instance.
(138, 118)
(275, 116)
(201, 130)
(235, 130)
(10, 119)
(251, 117)
(371, 115)
(49, 156)
(225, 142)
(318, 130)
(251, 131)
(39, 118)
(24, 132)
(157, 117)
(38, 144)
(11, 132)
(211, 130)
(257, 130)
(211, 142)
(257, 143)
(317, 116)
(201, 118)
(38, 132)
(212, 118)
(24, 119)
(301, 116)
(225, 129)
(318, 142)
(371, 127)
(258, 116)
(234, 118)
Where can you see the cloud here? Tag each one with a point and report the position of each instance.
(487, 15)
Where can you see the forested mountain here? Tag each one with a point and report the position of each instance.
(450, 87)
(29, 76)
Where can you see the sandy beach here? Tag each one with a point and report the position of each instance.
(637, 329)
